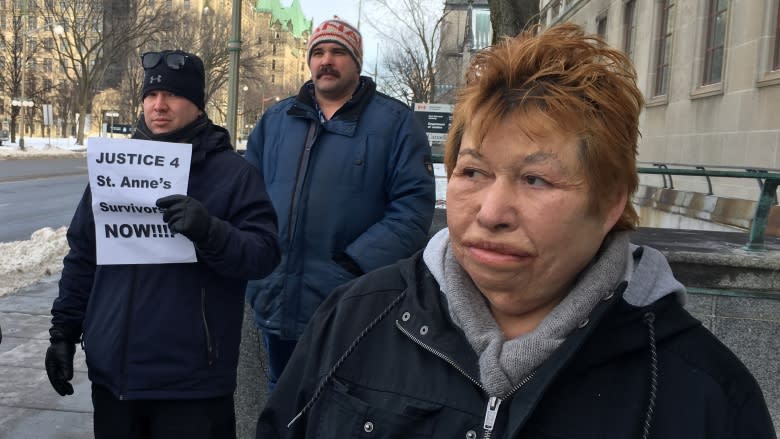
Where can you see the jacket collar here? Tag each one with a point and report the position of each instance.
(345, 120)
(204, 136)
(612, 319)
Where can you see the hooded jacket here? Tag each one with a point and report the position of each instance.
(383, 358)
(360, 184)
(172, 331)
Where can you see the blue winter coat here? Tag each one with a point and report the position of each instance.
(360, 183)
(172, 331)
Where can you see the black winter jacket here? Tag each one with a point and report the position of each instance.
(382, 359)
(172, 331)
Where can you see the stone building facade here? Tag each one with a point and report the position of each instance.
(465, 30)
(710, 74)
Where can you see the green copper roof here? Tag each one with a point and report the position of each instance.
(291, 16)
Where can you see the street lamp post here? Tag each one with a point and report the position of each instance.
(242, 113)
(22, 102)
(234, 50)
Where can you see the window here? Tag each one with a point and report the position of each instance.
(47, 84)
(48, 65)
(273, 79)
(481, 28)
(169, 4)
(273, 49)
(664, 49)
(776, 62)
(629, 27)
(601, 26)
(273, 65)
(48, 44)
(3, 25)
(32, 22)
(186, 4)
(716, 35)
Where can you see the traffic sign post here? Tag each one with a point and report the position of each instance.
(111, 115)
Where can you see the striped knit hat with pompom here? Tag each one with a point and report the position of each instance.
(340, 32)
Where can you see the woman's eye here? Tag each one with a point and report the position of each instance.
(535, 181)
(468, 172)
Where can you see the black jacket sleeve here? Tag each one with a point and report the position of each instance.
(78, 270)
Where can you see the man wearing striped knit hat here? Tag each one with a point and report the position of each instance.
(349, 172)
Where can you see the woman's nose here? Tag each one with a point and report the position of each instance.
(498, 208)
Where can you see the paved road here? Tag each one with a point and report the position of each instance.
(38, 193)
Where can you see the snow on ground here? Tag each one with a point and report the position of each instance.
(23, 263)
(42, 147)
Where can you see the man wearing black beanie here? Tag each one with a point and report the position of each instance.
(161, 340)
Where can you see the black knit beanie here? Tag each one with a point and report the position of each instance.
(189, 81)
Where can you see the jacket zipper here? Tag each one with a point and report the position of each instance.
(209, 347)
(123, 364)
(494, 402)
(440, 355)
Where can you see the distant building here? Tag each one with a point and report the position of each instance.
(284, 40)
(465, 30)
(281, 34)
(710, 73)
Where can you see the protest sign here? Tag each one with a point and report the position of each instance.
(126, 177)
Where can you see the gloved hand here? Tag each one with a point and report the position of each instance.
(187, 216)
(59, 362)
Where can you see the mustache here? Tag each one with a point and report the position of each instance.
(328, 70)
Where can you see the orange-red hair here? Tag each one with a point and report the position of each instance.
(578, 85)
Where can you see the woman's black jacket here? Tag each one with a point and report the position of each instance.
(382, 359)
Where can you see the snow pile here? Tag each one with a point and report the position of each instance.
(24, 263)
(40, 147)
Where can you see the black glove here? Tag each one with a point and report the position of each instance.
(347, 263)
(187, 216)
(59, 362)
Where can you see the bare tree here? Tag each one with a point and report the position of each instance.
(94, 40)
(15, 58)
(412, 29)
(207, 35)
(510, 17)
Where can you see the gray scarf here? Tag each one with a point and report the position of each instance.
(504, 363)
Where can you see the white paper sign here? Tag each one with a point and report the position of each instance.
(127, 177)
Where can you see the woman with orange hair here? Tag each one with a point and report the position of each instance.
(531, 315)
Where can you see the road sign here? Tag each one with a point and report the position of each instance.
(435, 118)
(47, 115)
(120, 128)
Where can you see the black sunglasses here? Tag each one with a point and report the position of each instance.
(174, 61)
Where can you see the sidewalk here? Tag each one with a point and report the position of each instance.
(29, 407)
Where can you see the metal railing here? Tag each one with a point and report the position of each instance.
(768, 180)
